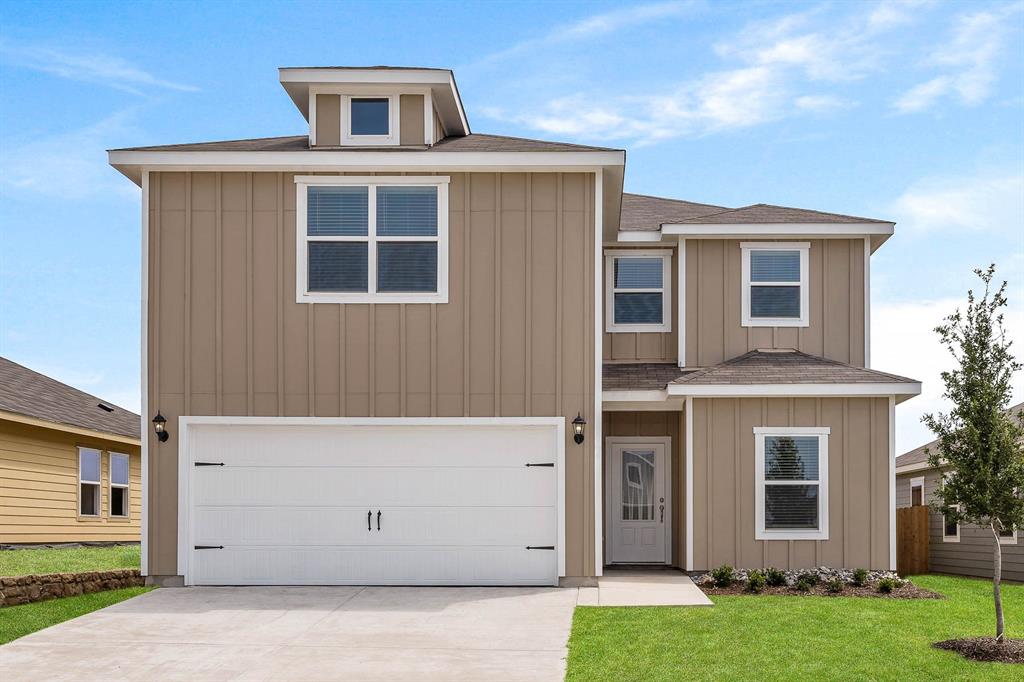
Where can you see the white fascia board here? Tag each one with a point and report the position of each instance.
(657, 395)
(300, 74)
(794, 390)
(778, 230)
(633, 236)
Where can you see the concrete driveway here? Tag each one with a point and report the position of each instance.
(307, 633)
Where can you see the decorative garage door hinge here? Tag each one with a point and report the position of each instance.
(209, 547)
(540, 464)
(540, 547)
(209, 464)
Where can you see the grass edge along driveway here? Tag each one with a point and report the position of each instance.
(24, 619)
(795, 638)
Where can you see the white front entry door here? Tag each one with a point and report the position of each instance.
(425, 504)
(638, 503)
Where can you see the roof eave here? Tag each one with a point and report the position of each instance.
(901, 390)
(68, 428)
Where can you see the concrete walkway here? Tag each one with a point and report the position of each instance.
(307, 633)
(643, 588)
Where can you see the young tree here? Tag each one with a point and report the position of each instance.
(980, 443)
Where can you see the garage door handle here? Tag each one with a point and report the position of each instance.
(209, 464)
(369, 517)
(378, 519)
(540, 547)
(209, 547)
(540, 464)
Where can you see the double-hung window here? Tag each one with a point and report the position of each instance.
(791, 483)
(88, 482)
(775, 290)
(371, 239)
(119, 497)
(638, 291)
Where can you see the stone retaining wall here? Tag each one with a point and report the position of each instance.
(23, 589)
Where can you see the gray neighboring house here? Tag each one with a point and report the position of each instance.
(960, 549)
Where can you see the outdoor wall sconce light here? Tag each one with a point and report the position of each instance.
(160, 426)
(578, 424)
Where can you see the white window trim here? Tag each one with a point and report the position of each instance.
(610, 256)
(760, 434)
(97, 483)
(302, 293)
(126, 487)
(942, 519)
(917, 482)
(804, 319)
(1012, 540)
(347, 138)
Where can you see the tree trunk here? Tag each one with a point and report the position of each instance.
(997, 570)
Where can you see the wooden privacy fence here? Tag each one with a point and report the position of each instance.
(912, 540)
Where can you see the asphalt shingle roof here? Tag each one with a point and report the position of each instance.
(767, 213)
(785, 367)
(918, 454)
(29, 393)
(639, 376)
(642, 213)
(474, 142)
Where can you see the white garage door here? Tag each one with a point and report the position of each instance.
(287, 504)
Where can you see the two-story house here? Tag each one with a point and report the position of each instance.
(393, 351)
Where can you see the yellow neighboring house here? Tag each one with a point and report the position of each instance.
(70, 467)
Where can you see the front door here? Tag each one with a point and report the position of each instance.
(638, 503)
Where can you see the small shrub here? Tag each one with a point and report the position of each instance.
(834, 586)
(810, 577)
(860, 577)
(723, 576)
(805, 582)
(755, 582)
(775, 578)
(887, 585)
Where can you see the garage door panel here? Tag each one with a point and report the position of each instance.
(375, 566)
(288, 503)
(391, 446)
(414, 526)
(373, 486)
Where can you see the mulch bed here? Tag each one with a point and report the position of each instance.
(908, 591)
(986, 649)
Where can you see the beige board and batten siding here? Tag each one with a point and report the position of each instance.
(724, 480)
(226, 336)
(328, 120)
(39, 488)
(411, 120)
(645, 346)
(667, 424)
(714, 278)
(973, 554)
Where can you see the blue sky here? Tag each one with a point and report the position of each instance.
(911, 111)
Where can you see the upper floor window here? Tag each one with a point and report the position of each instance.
(791, 483)
(371, 239)
(369, 120)
(638, 292)
(775, 290)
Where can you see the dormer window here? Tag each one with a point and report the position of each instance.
(369, 120)
(775, 291)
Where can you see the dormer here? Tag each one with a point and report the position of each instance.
(376, 106)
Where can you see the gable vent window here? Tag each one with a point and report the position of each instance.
(367, 240)
(775, 291)
(88, 482)
(638, 291)
(791, 483)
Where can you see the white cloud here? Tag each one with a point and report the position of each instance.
(821, 103)
(77, 158)
(990, 201)
(904, 342)
(93, 67)
(967, 62)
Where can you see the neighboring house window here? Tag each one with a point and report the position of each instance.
(917, 492)
(775, 290)
(638, 291)
(88, 482)
(372, 240)
(950, 528)
(369, 120)
(791, 483)
(119, 497)
(1008, 536)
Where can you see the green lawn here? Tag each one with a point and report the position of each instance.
(68, 560)
(796, 638)
(18, 621)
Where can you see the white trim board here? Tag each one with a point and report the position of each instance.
(794, 390)
(598, 418)
(892, 483)
(689, 485)
(144, 359)
(186, 468)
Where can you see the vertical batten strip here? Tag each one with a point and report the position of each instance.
(218, 285)
(372, 334)
(736, 478)
(248, 294)
(528, 302)
(872, 436)
(466, 240)
(144, 360)
(402, 349)
(892, 482)
(688, 427)
(846, 481)
(187, 322)
(560, 267)
(342, 355)
(817, 422)
(497, 295)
